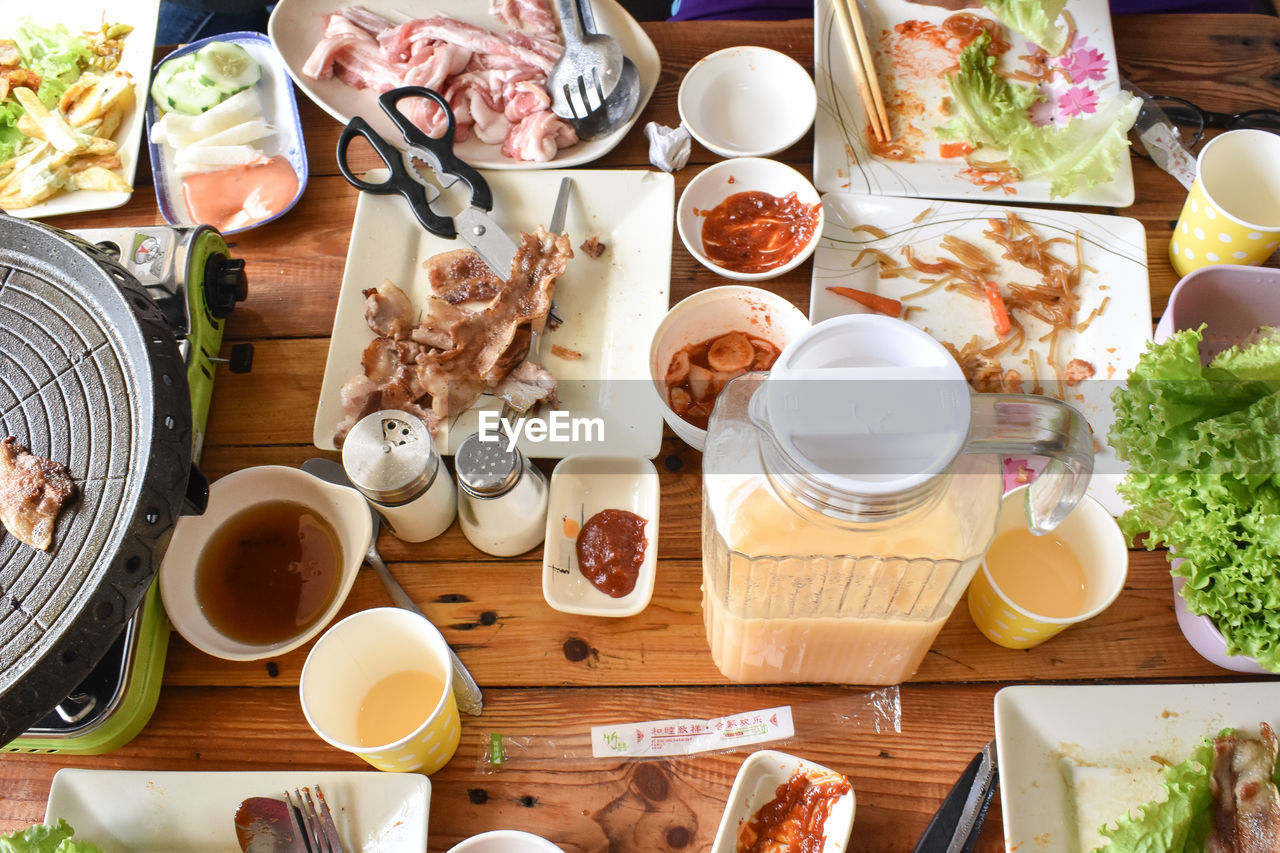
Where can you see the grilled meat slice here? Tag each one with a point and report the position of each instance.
(1246, 804)
(32, 492)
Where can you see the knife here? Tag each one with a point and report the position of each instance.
(955, 826)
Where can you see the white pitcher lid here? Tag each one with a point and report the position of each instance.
(868, 404)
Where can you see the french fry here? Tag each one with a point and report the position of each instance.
(56, 130)
(106, 161)
(110, 122)
(98, 178)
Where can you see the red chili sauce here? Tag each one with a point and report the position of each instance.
(698, 373)
(794, 819)
(756, 232)
(610, 550)
(242, 195)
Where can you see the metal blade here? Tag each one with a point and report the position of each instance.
(954, 827)
(562, 206)
(491, 243)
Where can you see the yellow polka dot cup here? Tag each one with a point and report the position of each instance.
(1097, 543)
(379, 685)
(1232, 215)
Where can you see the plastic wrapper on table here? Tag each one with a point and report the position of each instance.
(878, 710)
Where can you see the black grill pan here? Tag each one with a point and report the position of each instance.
(92, 377)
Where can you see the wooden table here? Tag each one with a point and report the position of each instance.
(548, 677)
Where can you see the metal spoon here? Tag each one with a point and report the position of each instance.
(465, 689)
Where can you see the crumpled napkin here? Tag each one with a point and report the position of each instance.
(669, 147)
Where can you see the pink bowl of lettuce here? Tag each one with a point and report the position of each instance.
(1203, 447)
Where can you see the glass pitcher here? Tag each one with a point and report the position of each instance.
(850, 494)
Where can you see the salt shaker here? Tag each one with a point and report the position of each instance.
(502, 498)
(391, 458)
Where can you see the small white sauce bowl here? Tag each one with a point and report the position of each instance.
(708, 314)
(582, 486)
(345, 509)
(757, 784)
(714, 184)
(505, 841)
(747, 102)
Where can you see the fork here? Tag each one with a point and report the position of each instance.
(587, 71)
(317, 828)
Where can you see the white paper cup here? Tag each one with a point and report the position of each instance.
(358, 653)
(1232, 214)
(709, 314)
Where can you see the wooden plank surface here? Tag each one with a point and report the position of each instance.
(548, 677)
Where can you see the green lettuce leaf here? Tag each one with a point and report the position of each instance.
(1178, 823)
(1257, 358)
(54, 53)
(1035, 19)
(45, 838)
(1203, 447)
(989, 110)
(1086, 149)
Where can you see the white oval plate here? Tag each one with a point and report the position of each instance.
(296, 26)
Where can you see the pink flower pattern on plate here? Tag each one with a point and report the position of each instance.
(1081, 63)
(1078, 100)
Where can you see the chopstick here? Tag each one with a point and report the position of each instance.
(849, 18)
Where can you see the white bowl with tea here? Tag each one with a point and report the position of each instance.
(710, 338)
(267, 565)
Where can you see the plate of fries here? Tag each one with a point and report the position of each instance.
(81, 153)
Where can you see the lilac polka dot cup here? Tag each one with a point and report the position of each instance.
(1232, 215)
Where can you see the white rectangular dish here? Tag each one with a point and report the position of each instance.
(280, 110)
(610, 305)
(1114, 248)
(843, 159)
(143, 811)
(1075, 757)
(79, 15)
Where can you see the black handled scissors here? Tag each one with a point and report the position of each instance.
(473, 224)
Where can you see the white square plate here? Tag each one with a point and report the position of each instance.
(80, 15)
(842, 158)
(141, 811)
(1114, 246)
(296, 27)
(611, 304)
(1074, 757)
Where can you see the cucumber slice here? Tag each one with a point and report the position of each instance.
(164, 76)
(227, 67)
(187, 93)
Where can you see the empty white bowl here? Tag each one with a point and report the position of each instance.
(715, 183)
(505, 841)
(757, 784)
(747, 102)
(345, 509)
(582, 486)
(708, 314)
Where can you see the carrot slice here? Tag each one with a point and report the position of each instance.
(874, 301)
(999, 313)
(954, 149)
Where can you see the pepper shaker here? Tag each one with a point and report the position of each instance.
(390, 457)
(502, 497)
